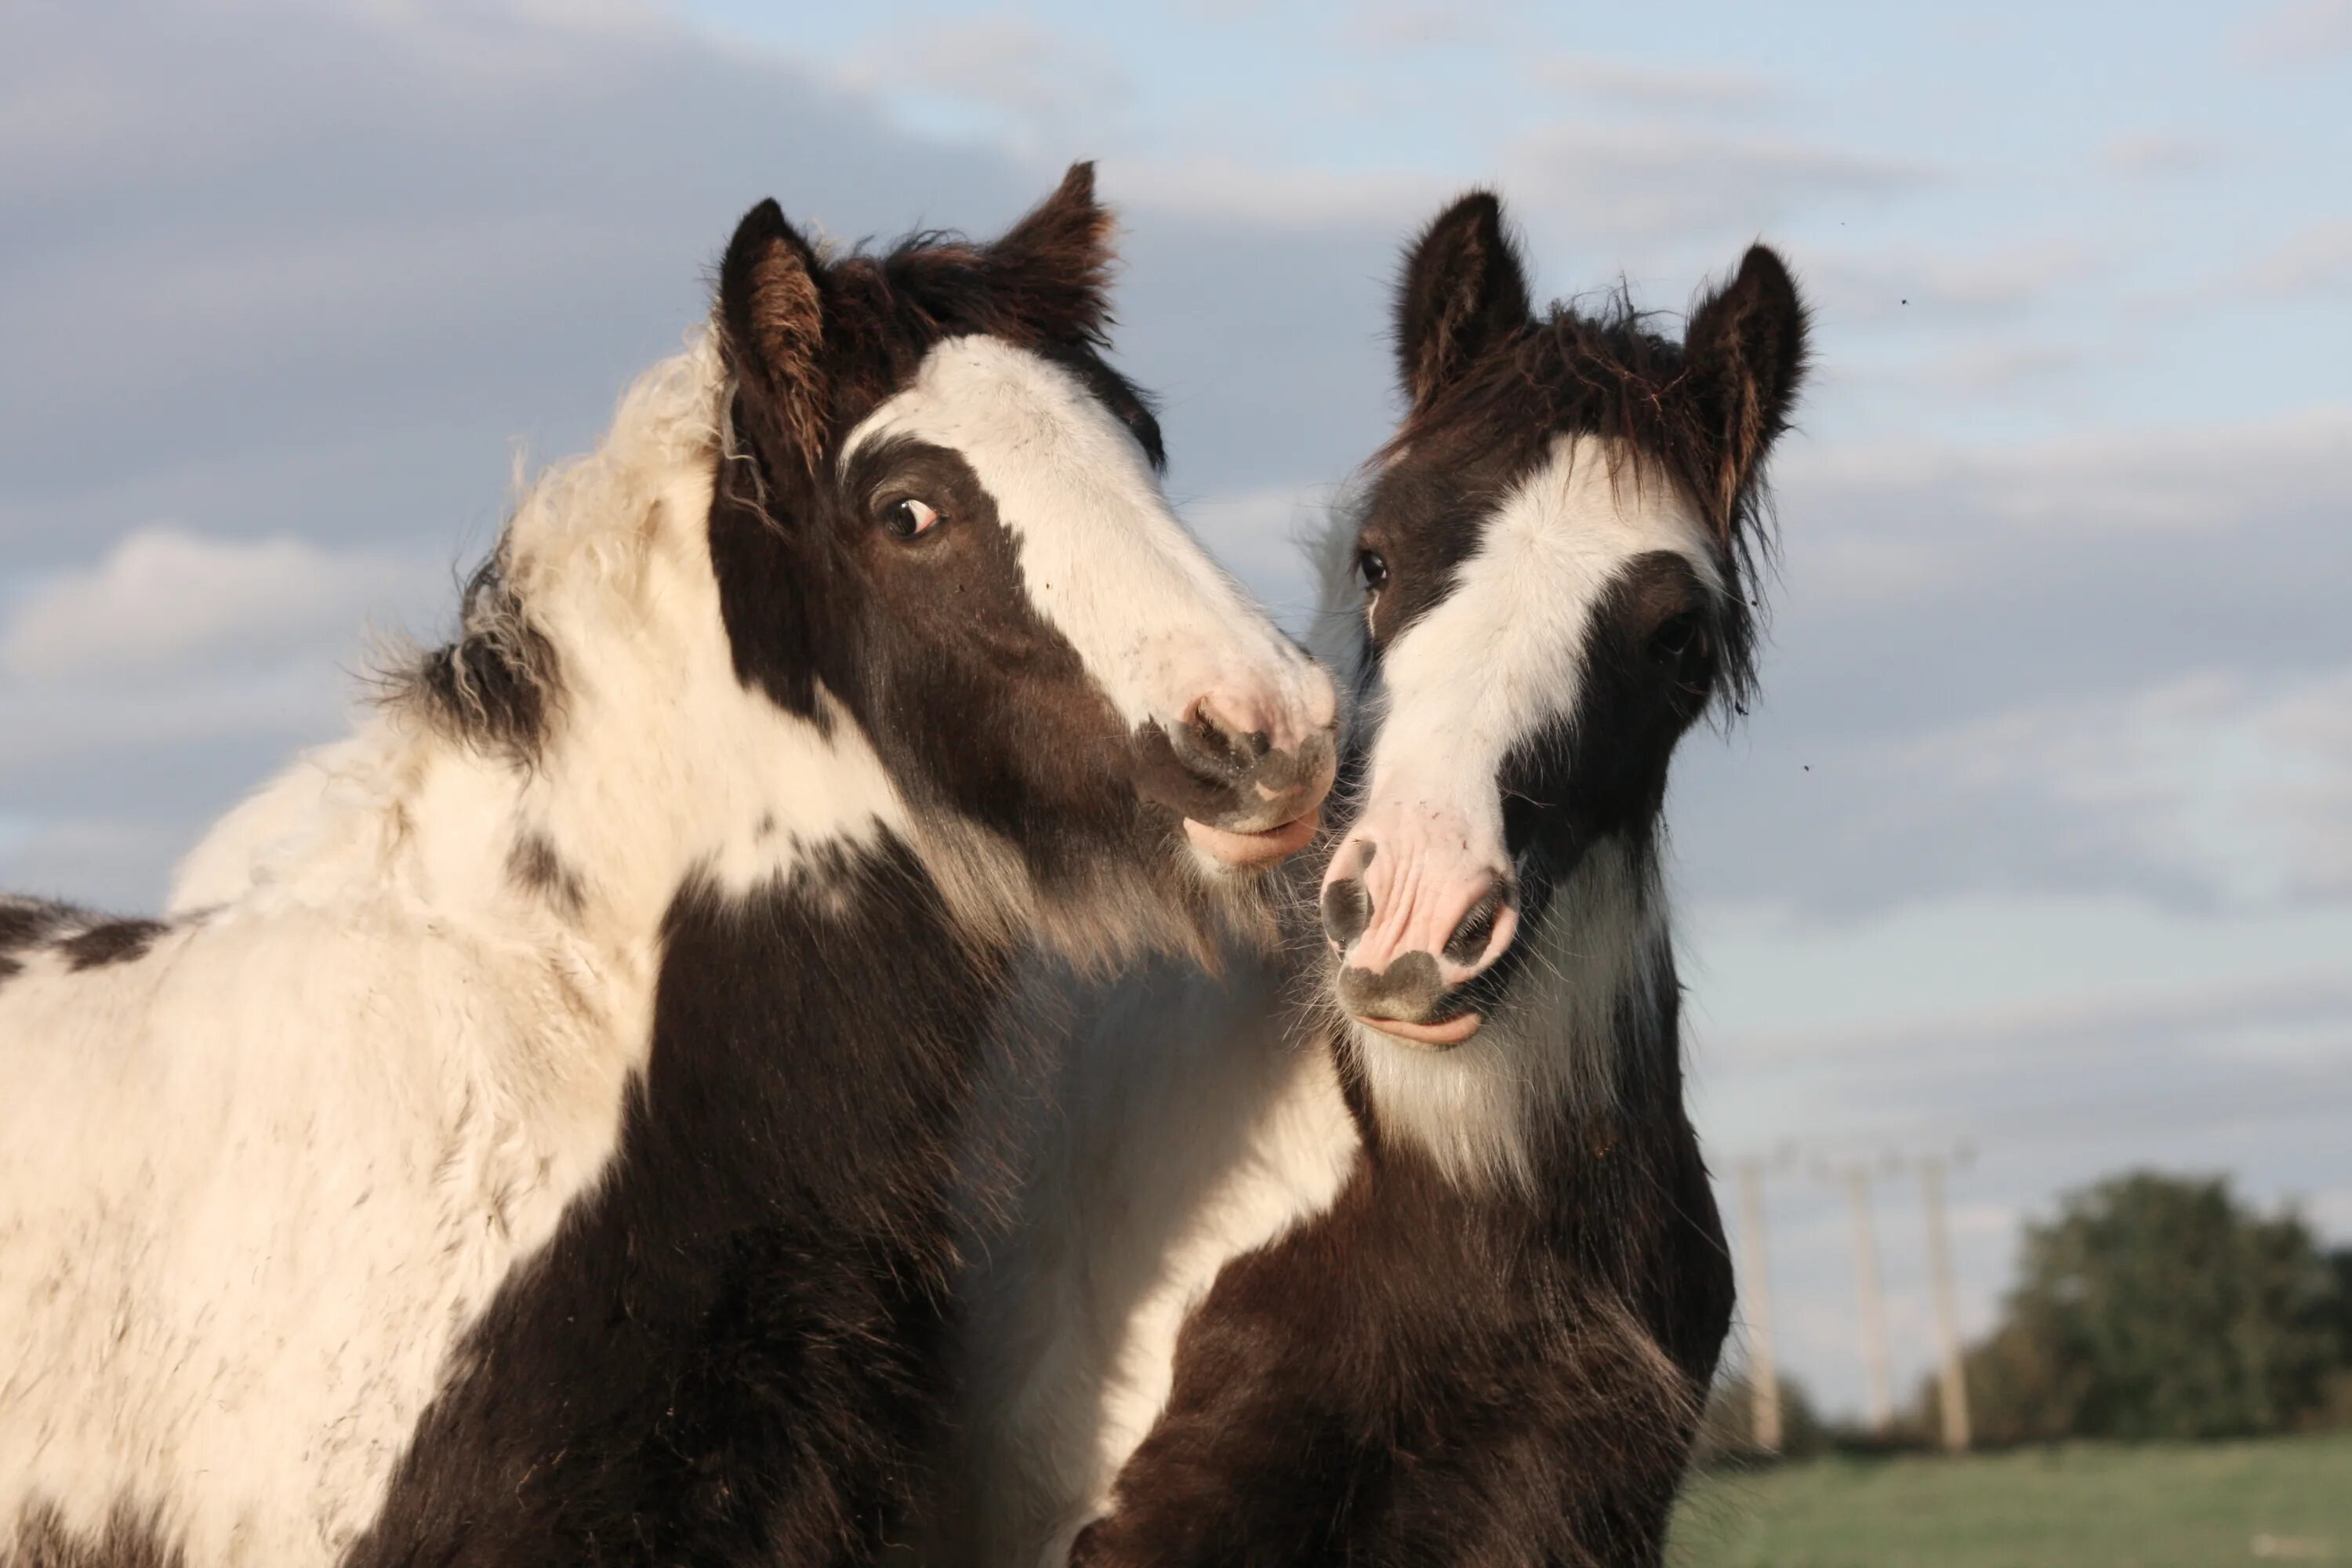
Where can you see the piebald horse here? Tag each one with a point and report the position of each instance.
(531, 1141)
(1396, 1246)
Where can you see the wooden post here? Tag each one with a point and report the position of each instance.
(1756, 1295)
(1947, 1317)
(1874, 1304)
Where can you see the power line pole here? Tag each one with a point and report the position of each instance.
(1873, 1303)
(1763, 1374)
(1948, 1318)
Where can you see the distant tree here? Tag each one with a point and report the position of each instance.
(1727, 1433)
(2159, 1306)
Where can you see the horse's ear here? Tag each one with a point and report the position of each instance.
(1463, 292)
(1746, 357)
(1051, 271)
(771, 318)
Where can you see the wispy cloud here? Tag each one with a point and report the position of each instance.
(1633, 183)
(1586, 79)
(164, 597)
(2154, 153)
(2299, 33)
(2316, 261)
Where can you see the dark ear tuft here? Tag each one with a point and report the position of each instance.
(1746, 355)
(771, 315)
(1051, 270)
(1463, 292)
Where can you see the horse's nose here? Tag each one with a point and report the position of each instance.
(1217, 742)
(1250, 784)
(1256, 782)
(1401, 966)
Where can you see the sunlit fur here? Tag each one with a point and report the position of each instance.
(1499, 660)
(260, 1174)
(1430, 1306)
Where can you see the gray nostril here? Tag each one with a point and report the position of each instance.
(1477, 928)
(1208, 748)
(1347, 909)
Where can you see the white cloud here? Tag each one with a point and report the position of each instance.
(2300, 32)
(1033, 84)
(1911, 285)
(1642, 86)
(1263, 538)
(2154, 153)
(2220, 781)
(2317, 260)
(164, 597)
(1654, 182)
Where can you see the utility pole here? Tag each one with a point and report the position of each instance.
(1948, 1318)
(1874, 1304)
(1763, 1375)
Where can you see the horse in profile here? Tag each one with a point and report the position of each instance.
(530, 1142)
(1396, 1246)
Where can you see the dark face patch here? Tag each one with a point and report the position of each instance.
(1649, 670)
(976, 705)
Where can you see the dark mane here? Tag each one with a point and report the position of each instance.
(884, 311)
(492, 688)
(1042, 287)
(1604, 371)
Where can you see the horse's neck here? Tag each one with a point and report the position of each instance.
(1586, 1032)
(657, 766)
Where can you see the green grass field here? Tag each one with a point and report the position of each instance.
(2289, 1500)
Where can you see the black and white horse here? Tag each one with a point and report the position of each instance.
(1424, 1267)
(532, 1144)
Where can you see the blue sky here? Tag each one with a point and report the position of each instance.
(2037, 843)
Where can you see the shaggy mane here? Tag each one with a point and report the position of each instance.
(1604, 371)
(497, 686)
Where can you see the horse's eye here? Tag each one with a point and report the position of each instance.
(909, 519)
(1677, 637)
(1372, 570)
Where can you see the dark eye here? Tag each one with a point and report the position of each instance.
(909, 519)
(1372, 570)
(1677, 639)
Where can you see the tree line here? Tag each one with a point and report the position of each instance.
(2151, 1305)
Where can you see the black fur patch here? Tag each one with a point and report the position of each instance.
(729, 1351)
(130, 1540)
(113, 942)
(493, 688)
(1431, 1374)
(1423, 1375)
(30, 922)
(534, 866)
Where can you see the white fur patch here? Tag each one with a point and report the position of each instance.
(1502, 655)
(256, 1184)
(1551, 1048)
(1185, 1127)
(1494, 662)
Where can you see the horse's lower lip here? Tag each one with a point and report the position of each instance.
(1254, 849)
(1445, 1032)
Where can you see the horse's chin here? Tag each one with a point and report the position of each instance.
(1442, 1036)
(1222, 850)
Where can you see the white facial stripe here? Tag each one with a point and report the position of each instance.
(1105, 563)
(1503, 654)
